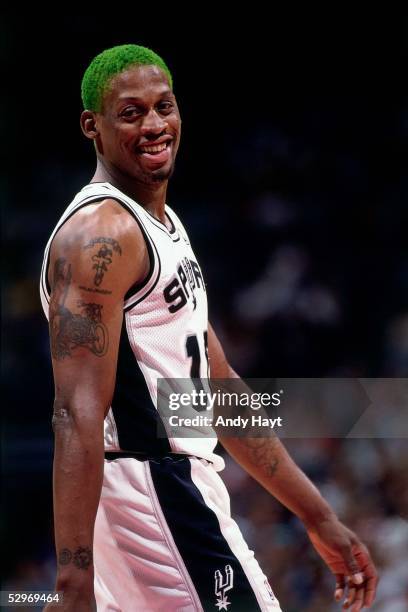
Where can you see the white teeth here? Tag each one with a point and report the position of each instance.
(153, 148)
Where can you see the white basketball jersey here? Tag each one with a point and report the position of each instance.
(164, 333)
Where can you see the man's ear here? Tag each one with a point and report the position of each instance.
(89, 124)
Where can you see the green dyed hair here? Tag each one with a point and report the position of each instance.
(111, 62)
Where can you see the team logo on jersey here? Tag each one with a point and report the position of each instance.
(222, 585)
(184, 285)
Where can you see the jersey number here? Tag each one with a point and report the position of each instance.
(193, 351)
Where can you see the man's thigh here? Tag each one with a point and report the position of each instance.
(164, 538)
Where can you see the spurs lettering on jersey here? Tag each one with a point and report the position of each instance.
(183, 286)
(164, 332)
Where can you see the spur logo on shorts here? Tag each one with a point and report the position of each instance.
(222, 585)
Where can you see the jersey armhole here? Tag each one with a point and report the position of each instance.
(138, 291)
(136, 287)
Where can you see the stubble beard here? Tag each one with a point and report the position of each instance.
(160, 176)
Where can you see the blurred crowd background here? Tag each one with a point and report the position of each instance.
(292, 182)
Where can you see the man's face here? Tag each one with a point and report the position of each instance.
(139, 126)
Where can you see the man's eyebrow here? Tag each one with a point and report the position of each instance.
(167, 92)
(129, 98)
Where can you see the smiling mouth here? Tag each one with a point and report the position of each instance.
(153, 149)
(155, 155)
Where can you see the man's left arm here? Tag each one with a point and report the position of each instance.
(267, 460)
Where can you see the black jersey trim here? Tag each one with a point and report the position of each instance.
(44, 276)
(162, 225)
(176, 230)
(43, 279)
(134, 291)
(137, 287)
(136, 418)
(131, 302)
(173, 227)
(174, 233)
(134, 295)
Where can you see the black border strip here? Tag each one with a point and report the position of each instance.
(127, 307)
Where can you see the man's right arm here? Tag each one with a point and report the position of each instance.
(266, 460)
(95, 258)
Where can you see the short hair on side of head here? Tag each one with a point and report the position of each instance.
(111, 62)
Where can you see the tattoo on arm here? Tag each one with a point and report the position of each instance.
(103, 256)
(65, 556)
(261, 452)
(81, 558)
(69, 330)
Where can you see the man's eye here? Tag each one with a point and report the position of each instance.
(165, 107)
(130, 112)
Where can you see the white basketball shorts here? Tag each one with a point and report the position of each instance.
(165, 541)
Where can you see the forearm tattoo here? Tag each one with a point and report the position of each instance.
(102, 256)
(262, 453)
(81, 557)
(70, 330)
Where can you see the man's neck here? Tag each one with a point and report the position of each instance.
(152, 197)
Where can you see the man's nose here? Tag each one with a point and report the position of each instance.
(153, 123)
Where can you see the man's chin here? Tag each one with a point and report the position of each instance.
(151, 176)
(160, 175)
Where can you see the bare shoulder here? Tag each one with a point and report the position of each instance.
(106, 217)
(107, 236)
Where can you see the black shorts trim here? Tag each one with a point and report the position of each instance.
(196, 532)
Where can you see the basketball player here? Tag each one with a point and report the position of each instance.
(142, 523)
